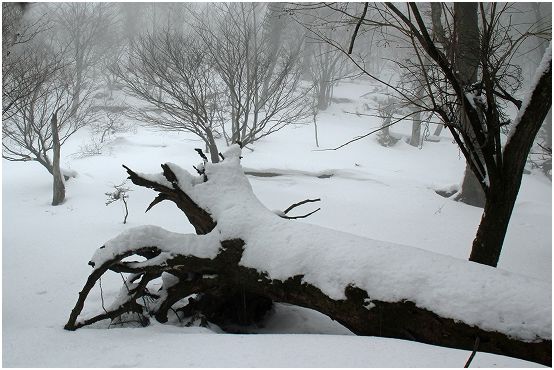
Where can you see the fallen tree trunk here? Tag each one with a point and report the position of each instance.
(244, 257)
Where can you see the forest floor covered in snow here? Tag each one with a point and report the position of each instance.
(376, 192)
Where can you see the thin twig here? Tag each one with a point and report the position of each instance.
(303, 216)
(475, 346)
(176, 314)
(356, 138)
(102, 295)
(545, 148)
(369, 133)
(300, 203)
(125, 283)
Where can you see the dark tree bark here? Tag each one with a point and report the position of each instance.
(540, 20)
(59, 186)
(231, 294)
(504, 188)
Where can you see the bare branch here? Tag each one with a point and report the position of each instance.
(351, 47)
(292, 206)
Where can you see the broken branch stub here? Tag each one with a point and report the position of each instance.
(199, 218)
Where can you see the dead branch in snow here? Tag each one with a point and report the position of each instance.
(294, 205)
(227, 292)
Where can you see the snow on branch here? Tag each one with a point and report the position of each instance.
(541, 81)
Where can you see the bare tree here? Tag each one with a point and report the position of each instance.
(17, 33)
(387, 109)
(58, 188)
(326, 65)
(497, 167)
(84, 29)
(226, 79)
(43, 120)
(170, 72)
(326, 69)
(542, 13)
(120, 192)
(246, 60)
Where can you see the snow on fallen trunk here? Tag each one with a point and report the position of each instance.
(246, 256)
(475, 294)
(169, 243)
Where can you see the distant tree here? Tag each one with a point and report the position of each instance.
(224, 79)
(327, 69)
(86, 30)
(273, 28)
(324, 65)
(442, 40)
(387, 109)
(43, 119)
(170, 72)
(114, 49)
(245, 60)
(17, 33)
(131, 15)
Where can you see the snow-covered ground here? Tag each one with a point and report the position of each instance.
(380, 193)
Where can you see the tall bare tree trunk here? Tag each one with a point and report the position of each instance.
(438, 35)
(314, 115)
(77, 92)
(502, 193)
(415, 140)
(467, 61)
(275, 24)
(211, 147)
(79, 65)
(307, 57)
(59, 187)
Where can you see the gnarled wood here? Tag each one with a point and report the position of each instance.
(357, 312)
(228, 293)
(198, 217)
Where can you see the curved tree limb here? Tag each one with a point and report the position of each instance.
(198, 217)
